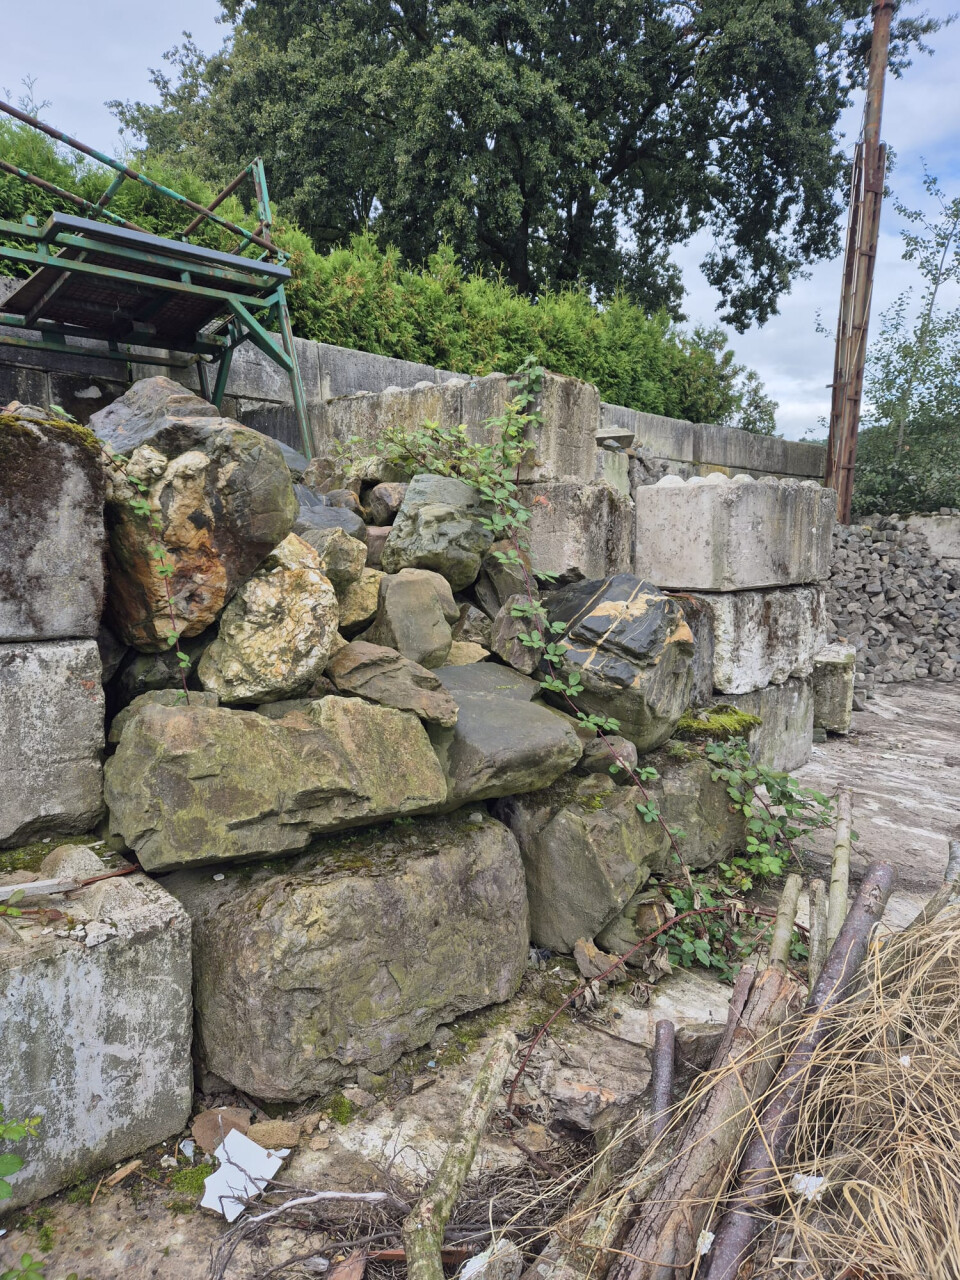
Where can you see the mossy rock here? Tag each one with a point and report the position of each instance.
(718, 723)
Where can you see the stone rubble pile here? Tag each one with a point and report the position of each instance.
(367, 804)
(895, 601)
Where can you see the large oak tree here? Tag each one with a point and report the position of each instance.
(551, 140)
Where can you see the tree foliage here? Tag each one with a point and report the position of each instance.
(554, 142)
(908, 454)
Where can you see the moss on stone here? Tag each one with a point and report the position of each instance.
(340, 1109)
(718, 723)
(27, 857)
(12, 426)
(189, 1182)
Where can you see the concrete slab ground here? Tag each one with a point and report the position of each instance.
(902, 762)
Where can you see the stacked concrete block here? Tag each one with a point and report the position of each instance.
(747, 557)
(51, 596)
(97, 1023)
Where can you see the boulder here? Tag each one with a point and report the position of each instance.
(501, 747)
(463, 653)
(473, 626)
(152, 405)
(690, 800)
(159, 698)
(51, 710)
(487, 677)
(498, 580)
(141, 672)
(633, 651)
(505, 634)
(384, 502)
(601, 755)
(193, 785)
(586, 850)
(359, 602)
(97, 1024)
(354, 955)
(224, 499)
(51, 528)
(341, 557)
(834, 669)
(438, 528)
(324, 517)
(277, 632)
(384, 676)
(414, 616)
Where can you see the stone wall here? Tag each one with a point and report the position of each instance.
(893, 597)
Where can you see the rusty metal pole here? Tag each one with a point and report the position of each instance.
(859, 263)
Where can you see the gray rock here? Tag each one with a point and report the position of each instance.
(438, 528)
(488, 677)
(112, 653)
(586, 850)
(51, 707)
(277, 632)
(193, 785)
(141, 672)
(502, 746)
(690, 800)
(296, 462)
(96, 1026)
(159, 698)
(384, 502)
(473, 626)
(505, 633)
(382, 675)
(359, 964)
(414, 616)
(377, 535)
(633, 650)
(149, 409)
(499, 580)
(317, 517)
(342, 558)
(51, 529)
(602, 754)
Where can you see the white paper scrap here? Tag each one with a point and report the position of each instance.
(245, 1169)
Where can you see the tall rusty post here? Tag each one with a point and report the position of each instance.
(863, 230)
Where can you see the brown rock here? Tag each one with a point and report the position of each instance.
(505, 637)
(377, 535)
(384, 501)
(383, 675)
(211, 1127)
(341, 557)
(359, 601)
(463, 654)
(414, 616)
(473, 626)
(273, 1135)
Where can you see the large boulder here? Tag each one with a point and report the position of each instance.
(277, 632)
(633, 651)
(51, 710)
(383, 675)
(502, 746)
(586, 850)
(488, 677)
(438, 527)
(222, 495)
(354, 955)
(193, 785)
(51, 527)
(415, 613)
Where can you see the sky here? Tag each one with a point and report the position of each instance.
(84, 54)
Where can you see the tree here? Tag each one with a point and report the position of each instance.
(555, 141)
(908, 455)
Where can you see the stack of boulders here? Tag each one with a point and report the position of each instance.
(895, 600)
(328, 738)
(748, 559)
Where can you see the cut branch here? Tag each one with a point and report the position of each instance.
(840, 874)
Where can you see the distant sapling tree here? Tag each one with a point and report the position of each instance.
(559, 142)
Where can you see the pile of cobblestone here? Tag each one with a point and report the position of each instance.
(892, 598)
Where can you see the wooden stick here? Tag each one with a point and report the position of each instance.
(783, 925)
(423, 1229)
(946, 895)
(840, 874)
(735, 1239)
(662, 1243)
(664, 1051)
(818, 930)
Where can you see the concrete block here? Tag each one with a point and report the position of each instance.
(51, 529)
(784, 739)
(51, 738)
(343, 372)
(715, 534)
(613, 466)
(97, 1025)
(762, 637)
(577, 530)
(942, 533)
(363, 417)
(834, 671)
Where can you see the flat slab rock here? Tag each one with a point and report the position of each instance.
(346, 959)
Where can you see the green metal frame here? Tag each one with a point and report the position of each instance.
(248, 306)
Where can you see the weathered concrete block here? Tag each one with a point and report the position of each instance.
(51, 737)
(51, 528)
(941, 532)
(577, 530)
(97, 1024)
(834, 670)
(354, 955)
(762, 637)
(714, 534)
(784, 738)
(585, 851)
(362, 418)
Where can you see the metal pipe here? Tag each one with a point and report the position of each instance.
(217, 200)
(79, 201)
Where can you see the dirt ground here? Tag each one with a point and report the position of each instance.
(902, 760)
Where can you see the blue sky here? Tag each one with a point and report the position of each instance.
(83, 54)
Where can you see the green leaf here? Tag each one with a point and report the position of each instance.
(10, 1162)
